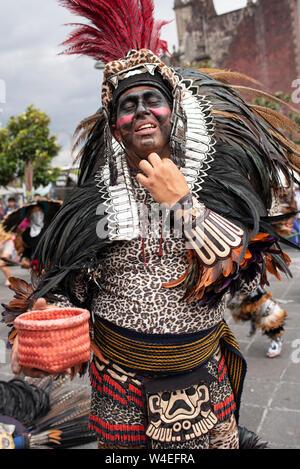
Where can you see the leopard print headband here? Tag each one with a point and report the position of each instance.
(136, 62)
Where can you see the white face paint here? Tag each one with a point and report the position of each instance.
(36, 223)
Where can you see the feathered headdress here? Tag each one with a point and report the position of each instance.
(126, 37)
(116, 27)
(122, 34)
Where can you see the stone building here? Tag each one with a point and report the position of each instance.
(261, 40)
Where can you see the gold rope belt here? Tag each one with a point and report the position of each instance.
(159, 353)
(170, 353)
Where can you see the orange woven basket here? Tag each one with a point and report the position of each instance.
(53, 339)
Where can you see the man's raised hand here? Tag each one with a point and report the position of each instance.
(163, 179)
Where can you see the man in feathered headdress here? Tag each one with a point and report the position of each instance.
(170, 214)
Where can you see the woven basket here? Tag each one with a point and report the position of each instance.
(53, 339)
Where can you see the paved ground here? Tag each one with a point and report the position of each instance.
(271, 404)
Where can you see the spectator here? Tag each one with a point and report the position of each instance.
(12, 205)
(296, 222)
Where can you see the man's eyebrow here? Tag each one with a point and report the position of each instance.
(134, 96)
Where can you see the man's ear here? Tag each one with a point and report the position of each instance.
(115, 132)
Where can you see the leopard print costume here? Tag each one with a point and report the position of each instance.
(223, 436)
(128, 284)
(128, 281)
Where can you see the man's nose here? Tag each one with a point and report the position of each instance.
(141, 108)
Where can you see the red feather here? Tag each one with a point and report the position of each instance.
(115, 27)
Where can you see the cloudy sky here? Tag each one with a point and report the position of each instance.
(66, 87)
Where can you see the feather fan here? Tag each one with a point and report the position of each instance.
(54, 412)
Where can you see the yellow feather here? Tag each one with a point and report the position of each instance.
(225, 114)
(276, 119)
(227, 76)
(264, 94)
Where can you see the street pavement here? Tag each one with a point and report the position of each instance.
(270, 402)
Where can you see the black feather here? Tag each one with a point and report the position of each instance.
(70, 243)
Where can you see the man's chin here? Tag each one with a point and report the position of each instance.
(144, 151)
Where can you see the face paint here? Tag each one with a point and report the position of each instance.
(162, 112)
(143, 122)
(125, 121)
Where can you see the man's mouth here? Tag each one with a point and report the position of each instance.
(146, 128)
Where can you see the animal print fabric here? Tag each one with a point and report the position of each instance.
(136, 58)
(110, 412)
(225, 435)
(104, 445)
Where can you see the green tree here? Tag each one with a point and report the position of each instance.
(27, 149)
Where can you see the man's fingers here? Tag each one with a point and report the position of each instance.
(142, 179)
(16, 368)
(34, 373)
(146, 167)
(154, 159)
(39, 304)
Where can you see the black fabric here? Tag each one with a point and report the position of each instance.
(31, 243)
(173, 383)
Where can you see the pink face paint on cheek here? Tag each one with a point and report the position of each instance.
(161, 111)
(124, 120)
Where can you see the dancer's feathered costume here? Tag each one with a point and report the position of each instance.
(174, 372)
(260, 308)
(264, 312)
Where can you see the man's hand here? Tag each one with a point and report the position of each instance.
(163, 179)
(32, 372)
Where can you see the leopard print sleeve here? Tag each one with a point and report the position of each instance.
(81, 290)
